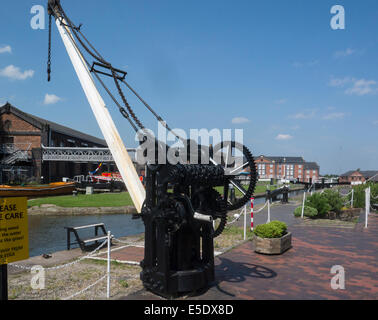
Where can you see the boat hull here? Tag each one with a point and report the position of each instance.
(53, 189)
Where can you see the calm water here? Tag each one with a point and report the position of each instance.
(47, 234)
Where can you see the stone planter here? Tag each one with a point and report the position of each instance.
(272, 246)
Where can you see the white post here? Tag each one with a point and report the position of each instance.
(245, 222)
(268, 211)
(304, 199)
(367, 205)
(108, 284)
(351, 202)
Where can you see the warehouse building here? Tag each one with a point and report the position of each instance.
(22, 137)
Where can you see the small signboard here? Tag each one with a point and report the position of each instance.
(14, 235)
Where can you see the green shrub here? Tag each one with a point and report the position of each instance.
(318, 202)
(359, 194)
(334, 199)
(309, 212)
(274, 229)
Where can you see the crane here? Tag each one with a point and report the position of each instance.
(181, 201)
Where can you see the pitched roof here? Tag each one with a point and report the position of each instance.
(40, 123)
(311, 166)
(366, 174)
(369, 174)
(284, 159)
(374, 178)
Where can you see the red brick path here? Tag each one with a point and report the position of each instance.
(303, 272)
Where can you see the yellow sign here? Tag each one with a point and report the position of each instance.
(14, 231)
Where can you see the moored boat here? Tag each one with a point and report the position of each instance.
(52, 189)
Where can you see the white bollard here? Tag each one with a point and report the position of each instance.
(108, 284)
(304, 199)
(268, 211)
(367, 206)
(252, 200)
(245, 222)
(351, 202)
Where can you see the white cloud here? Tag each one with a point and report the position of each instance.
(355, 86)
(344, 53)
(303, 115)
(6, 49)
(284, 137)
(337, 82)
(51, 99)
(335, 115)
(240, 120)
(14, 73)
(362, 87)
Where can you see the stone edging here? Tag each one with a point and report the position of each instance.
(53, 210)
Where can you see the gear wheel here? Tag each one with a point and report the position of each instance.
(249, 162)
(215, 207)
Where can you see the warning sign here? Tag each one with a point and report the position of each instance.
(14, 235)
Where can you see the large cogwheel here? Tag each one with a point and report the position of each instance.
(240, 169)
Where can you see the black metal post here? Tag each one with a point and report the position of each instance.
(3, 282)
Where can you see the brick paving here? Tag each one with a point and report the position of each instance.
(303, 272)
(133, 254)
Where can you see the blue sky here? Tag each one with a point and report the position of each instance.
(273, 68)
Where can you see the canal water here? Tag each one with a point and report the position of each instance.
(47, 234)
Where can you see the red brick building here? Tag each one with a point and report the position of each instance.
(291, 168)
(21, 138)
(358, 176)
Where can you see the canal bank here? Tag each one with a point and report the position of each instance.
(54, 210)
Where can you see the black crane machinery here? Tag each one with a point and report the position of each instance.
(184, 205)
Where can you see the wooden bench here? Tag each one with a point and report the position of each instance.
(83, 243)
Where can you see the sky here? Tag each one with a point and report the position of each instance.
(276, 69)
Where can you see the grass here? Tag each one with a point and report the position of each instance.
(82, 200)
(261, 187)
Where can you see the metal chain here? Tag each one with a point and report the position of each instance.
(49, 52)
(97, 56)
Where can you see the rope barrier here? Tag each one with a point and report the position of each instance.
(345, 195)
(64, 265)
(237, 217)
(87, 288)
(261, 209)
(124, 242)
